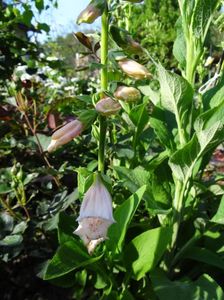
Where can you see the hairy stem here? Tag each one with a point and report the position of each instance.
(104, 84)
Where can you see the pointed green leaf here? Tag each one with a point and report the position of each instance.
(204, 288)
(176, 92)
(219, 216)
(145, 251)
(68, 257)
(123, 216)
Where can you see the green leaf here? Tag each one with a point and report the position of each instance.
(214, 96)
(145, 251)
(5, 188)
(202, 16)
(153, 95)
(11, 240)
(219, 216)
(209, 134)
(209, 127)
(139, 116)
(179, 46)
(123, 216)
(43, 139)
(85, 179)
(206, 256)
(133, 179)
(176, 94)
(43, 26)
(163, 122)
(204, 288)
(183, 161)
(66, 227)
(27, 16)
(39, 5)
(68, 258)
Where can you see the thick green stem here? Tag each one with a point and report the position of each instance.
(190, 65)
(104, 84)
(177, 210)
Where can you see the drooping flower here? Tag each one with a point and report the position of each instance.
(107, 106)
(133, 69)
(96, 215)
(91, 12)
(65, 134)
(127, 93)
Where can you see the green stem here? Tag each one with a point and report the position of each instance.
(189, 243)
(190, 62)
(177, 210)
(104, 85)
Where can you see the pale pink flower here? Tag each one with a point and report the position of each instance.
(95, 216)
(134, 69)
(65, 134)
(107, 106)
(127, 93)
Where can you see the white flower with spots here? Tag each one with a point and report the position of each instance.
(95, 216)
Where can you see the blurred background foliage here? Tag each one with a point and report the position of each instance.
(38, 191)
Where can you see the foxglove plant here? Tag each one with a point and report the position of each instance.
(187, 127)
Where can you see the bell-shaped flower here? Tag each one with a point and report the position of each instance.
(134, 69)
(127, 94)
(91, 12)
(95, 216)
(65, 134)
(107, 106)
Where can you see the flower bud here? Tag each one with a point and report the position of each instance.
(107, 106)
(65, 134)
(95, 215)
(127, 94)
(91, 12)
(124, 40)
(209, 61)
(134, 69)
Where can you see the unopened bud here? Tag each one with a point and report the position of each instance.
(134, 69)
(107, 106)
(124, 40)
(91, 12)
(65, 134)
(209, 61)
(127, 93)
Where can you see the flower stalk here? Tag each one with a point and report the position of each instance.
(104, 85)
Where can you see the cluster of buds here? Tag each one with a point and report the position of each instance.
(107, 106)
(133, 69)
(96, 215)
(65, 134)
(127, 94)
(91, 12)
